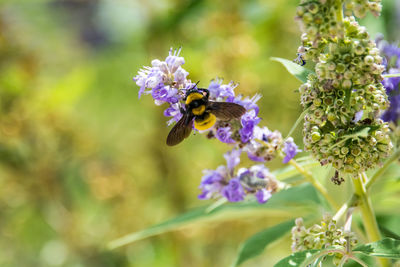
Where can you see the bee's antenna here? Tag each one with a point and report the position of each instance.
(195, 84)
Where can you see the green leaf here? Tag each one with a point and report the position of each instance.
(296, 70)
(258, 242)
(294, 197)
(387, 248)
(299, 258)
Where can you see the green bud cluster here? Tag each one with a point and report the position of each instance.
(345, 97)
(317, 20)
(320, 236)
(319, 24)
(360, 7)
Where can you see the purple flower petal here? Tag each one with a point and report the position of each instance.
(232, 158)
(224, 135)
(263, 196)
(211, 182)
(290, 149)
(234, 191)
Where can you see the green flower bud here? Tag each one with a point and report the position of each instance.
(346, 84)
(331, 116)
(369, 60)
(313, 8)
(315, 136)
(340, 68)
(355, 151)
(344, 150)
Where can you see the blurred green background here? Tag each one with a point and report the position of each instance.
(83, 161)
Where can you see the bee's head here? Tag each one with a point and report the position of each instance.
(194, 89)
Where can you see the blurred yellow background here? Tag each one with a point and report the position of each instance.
(83, 161)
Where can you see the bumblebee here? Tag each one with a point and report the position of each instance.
(202, 113)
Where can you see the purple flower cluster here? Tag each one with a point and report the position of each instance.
(166, 81)
(264, 145)
(391, 61)
(223, 181)
(225, 131)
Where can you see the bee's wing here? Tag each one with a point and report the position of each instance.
(181, 130)
(226, 110)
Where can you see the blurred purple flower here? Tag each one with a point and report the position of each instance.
(224, 135)
(232, 158)
(290, 149)
(393, 113)
(263, 195)
(234, 191)
(391, 56)
(248, 121)
(212, 182)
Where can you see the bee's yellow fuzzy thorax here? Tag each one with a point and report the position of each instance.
(192, 97)
(206, 123)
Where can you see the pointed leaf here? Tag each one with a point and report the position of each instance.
(297, 196)
(299, 258)
(258, 242)
(296, 70)
(387, 248)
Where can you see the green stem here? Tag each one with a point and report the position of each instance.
(339, 11)
(381, 170)
(339, 214)
(310, 178)
(367, 213)
(299, 119)
(391, 75)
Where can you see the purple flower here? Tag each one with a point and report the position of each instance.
(221, 92)
(173, 111)
(393, 113)
(232, 158)
(392, 83)
(260, 171)
(248, 103)
(391, 56)
(264, 144)
(248, 121)
(391, 50)
(163, 94)
(224, 135)
(263, 195)
(234, 191)
(212, 182)
(163, 79)
(290, 149)
(148, 78)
